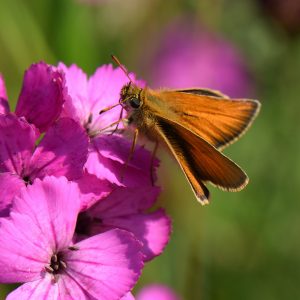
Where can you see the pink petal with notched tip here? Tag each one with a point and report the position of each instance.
(92, 190)
(4, 107)
(76, 106)
(53, 203)
(10, 186)
(107, 158)
(116, 173)
(62, 151)
(107, 265)
(42, 95)
(101, 167)
(125, 201)
(152, 229)
(17, 142)
(132, 177)
(117, 148)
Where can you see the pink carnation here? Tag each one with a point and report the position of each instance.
(37, 249)
(61, 152)
(88, 96)
(83, 232)
(107, 153)
(127, 208)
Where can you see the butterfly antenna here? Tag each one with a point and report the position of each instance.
(116, 60)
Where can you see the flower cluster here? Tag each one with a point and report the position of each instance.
(76, 217)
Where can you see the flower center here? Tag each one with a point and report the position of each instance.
(27, 180)
(88, 123)
(57, 264)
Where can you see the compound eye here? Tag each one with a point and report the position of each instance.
(135, 102)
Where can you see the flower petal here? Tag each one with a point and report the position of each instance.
(70, 289)
(104, 90)
(92, 190)
(118, 148)
(17, 141)
(4, 107)
(53, 203)
(125, 201)
(24, 249)
(103, 168)
(128, 296)
(76, 106)
(42, 96)
(107, 265)
(62, 152)
(10, 186)
(152, 229)
(108, 155)
(37, 290)
(88, 97)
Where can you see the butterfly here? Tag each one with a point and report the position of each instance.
(196, 125)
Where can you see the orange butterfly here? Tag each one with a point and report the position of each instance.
(195, 124)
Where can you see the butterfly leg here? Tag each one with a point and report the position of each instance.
(152, 162)
(120, 119)
(112, 124)
(134, 141)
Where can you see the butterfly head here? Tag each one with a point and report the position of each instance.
(130, 97)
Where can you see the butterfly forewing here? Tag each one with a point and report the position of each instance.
(217, 120)
(200, 161)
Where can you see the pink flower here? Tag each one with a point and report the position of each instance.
(190, 56)
(41, 98)
(107, 157)
(157, 292)
(127, 208)
(89, 96)
(61, 152)
(37, 249)
(107, 153)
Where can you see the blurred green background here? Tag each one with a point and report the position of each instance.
(243, 245)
